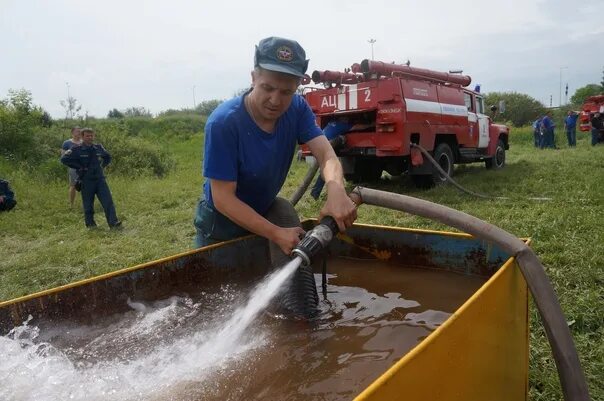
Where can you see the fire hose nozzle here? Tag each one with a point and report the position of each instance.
(315, 240)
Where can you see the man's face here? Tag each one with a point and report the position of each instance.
(76, 134)
(273, 93)
(88, 137)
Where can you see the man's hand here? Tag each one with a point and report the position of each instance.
(1, 198)
(339, 206)
(287, 238)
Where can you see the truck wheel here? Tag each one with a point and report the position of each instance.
(444, 157)
(498, 161)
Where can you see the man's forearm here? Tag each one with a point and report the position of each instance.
(332, 171)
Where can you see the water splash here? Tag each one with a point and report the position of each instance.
(35, 370)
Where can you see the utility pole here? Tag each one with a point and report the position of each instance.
(560, 95)
(194, 103)
(69, 113)
(371, 42)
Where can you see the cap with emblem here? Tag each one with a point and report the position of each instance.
(281, 55)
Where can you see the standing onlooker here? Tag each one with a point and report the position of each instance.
(570, 126)
(597, 126)
(7, 197)
(76, 140)
(537, 132)
(89, 159)
(547, 124)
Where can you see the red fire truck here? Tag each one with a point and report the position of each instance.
(404, 105)
(591, 105)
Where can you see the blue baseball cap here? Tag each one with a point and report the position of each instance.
(281, 55)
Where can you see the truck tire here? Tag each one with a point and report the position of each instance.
(498, 161)
(444, 157)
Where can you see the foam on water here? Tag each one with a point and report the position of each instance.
(33, 369)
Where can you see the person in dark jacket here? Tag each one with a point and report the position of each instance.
(597, 128)
(89, 159)
(7, 197)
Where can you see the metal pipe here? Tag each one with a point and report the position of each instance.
(385, 69)
(336, 77)
(572, 378)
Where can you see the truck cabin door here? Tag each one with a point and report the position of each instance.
(483, 123)
(472, 118)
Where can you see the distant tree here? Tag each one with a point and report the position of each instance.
(521, 109)
(584, 92)
(19, 120)
(71, 106)
(602, 82)
(115, 113)
(137, 112)
(207, 106)
(46, 119)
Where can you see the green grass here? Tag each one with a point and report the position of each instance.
(44, 243)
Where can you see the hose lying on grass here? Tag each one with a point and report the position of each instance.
(456, 185)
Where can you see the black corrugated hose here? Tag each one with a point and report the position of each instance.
(300, 298)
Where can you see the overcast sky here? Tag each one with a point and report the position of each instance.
(152, 53)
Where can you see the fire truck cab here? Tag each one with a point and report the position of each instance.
(402, 105)
(593, 104)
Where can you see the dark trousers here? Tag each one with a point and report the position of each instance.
(98, 187)
(537, 137)
(547, 139)
(7, 205)
(212, 227)
(595, 136)
(571, 136)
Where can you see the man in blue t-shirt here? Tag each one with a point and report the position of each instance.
(76, 140)
(570, 126)
(249, 145)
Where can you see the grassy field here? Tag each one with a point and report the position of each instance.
(43, 243)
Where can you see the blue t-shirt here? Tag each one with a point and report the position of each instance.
(68, 144)
(571, 121)
(547, 122)
(236, 149)
(336, 128)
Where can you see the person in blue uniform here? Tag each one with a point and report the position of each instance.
(88, 160)
(548, 138)
(570, 126)
(7, 197)
(537, 132)
(249, 146)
